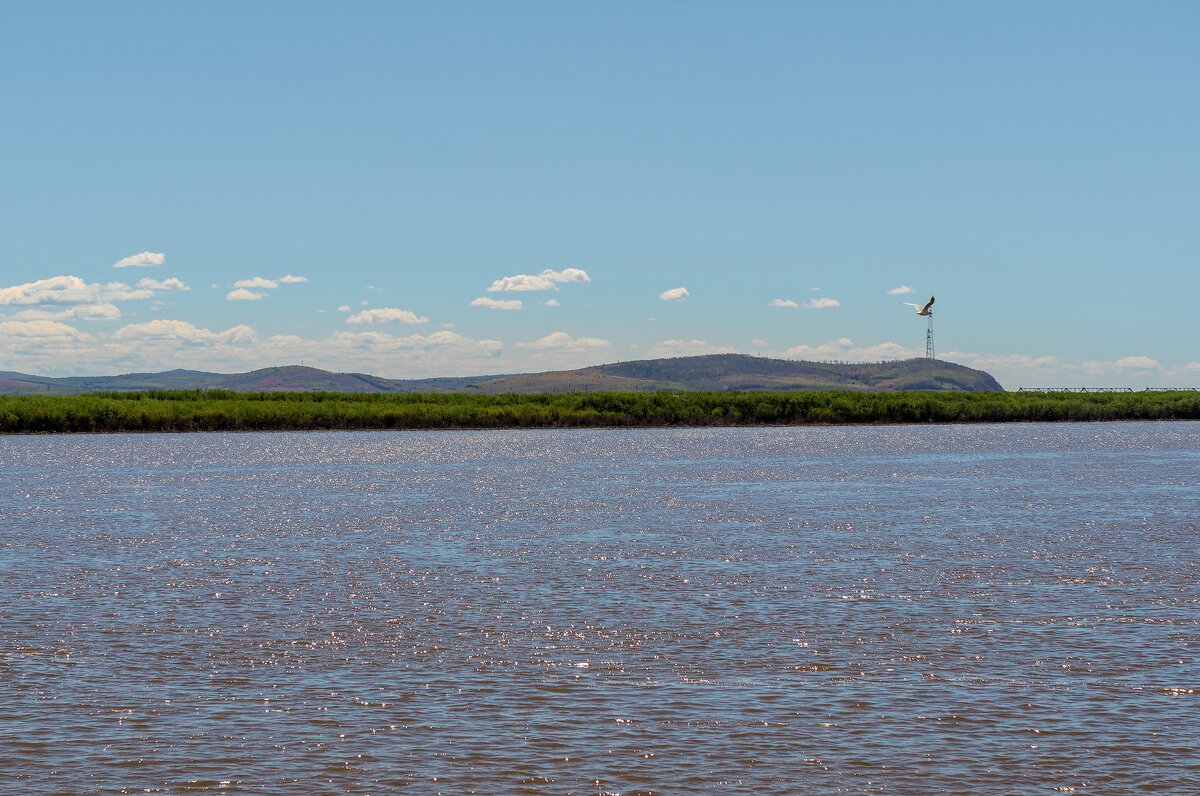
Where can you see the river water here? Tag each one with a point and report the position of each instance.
(959, 609)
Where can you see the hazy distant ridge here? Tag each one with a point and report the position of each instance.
(717, 372)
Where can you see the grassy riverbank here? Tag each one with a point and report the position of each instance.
(221, 410)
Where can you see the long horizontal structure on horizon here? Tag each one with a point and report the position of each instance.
(1107, 389)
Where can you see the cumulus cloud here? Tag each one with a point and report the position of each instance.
(821, 303)
(380, 342)
(288, 279)
(1024, 370)
(115, 291)
(844, 349)
(1140, 363)
(77, 312)
(241, 294)
(1182, 375)
(562, 342)
(498, 304)
(685, 348)
(344, 308)
(44, 331)
(897, 291)
(1004, 361)
(674, 294)
(142, 260)
(41, 346)
(546, 280)
(257, 282)
(165, 284)
(783, 303)
(69, 290)
(48, 346)
(386, 315)
(441, 353)
(160, 331)
(1096, 368)
(551, 303)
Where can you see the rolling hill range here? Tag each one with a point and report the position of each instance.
(716, 372)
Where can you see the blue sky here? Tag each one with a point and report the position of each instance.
(364, 186)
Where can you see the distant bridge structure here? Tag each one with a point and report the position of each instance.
(1107, 389)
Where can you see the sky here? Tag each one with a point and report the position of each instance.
(467, 188)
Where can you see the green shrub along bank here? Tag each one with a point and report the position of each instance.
(223, 410)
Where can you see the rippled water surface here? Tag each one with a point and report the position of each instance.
(963, 609)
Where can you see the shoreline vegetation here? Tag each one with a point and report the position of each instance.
(227, 410)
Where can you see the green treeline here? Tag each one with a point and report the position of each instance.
(224, 410)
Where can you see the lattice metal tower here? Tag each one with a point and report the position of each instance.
(929, 338)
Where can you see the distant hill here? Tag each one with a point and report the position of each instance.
(726, 372)
(716, 372)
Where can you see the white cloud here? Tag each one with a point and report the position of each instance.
(165, 284)
(157, 332)
(551, 303)
(844, 349)
(897, 291)
(1004, 361)
(386, 315)
(1182, 375)
(561, 342)
(1023, 370)
(1140, 363)
(821, 303)
(344, 308)
(36, 331)
(55, 290)
(257, 282)
(241, 294)
(674, 294)
(141, 260)
(41, 346)
(783, 303)
(685, 348)
(116, 291)
(69, 290)
(546, 280)
(79, 312)
(498, 304)
(288, 279)
(1096, 368)
(46, 346)
(380, 342)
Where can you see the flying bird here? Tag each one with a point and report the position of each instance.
(921, 310)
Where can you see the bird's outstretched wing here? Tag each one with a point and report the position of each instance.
(916, 307)
(927, 306)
